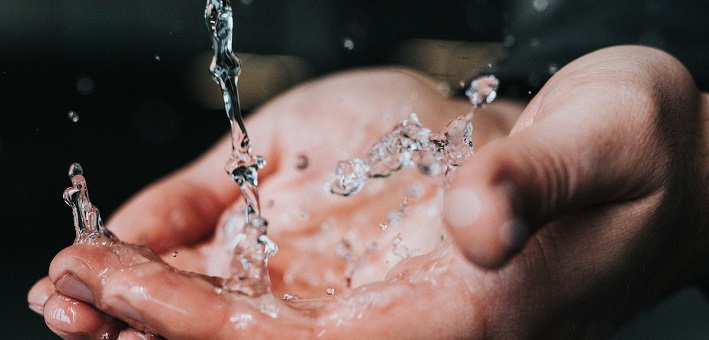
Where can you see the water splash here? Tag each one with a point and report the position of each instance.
(482, 90)
(410, 145)
(399, 248)
(87, 219)
(250, 248)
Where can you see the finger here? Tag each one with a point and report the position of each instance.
(400, 306)
(39, 293)
(566, 160)
(152, 297)
(73, 319)
(184, 207)
(134, 334)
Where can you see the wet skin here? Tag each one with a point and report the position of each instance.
(604, 183)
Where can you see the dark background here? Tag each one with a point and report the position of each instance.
(127, 68)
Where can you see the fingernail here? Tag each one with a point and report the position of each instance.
(462, 208)
(71, 286)
(37, 308)
(37, 296)
(513, 234)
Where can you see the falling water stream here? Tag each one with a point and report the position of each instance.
(249, 247)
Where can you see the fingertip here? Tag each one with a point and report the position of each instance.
(38, 295)
(134, 334)
(481, 216)
(72, 319)
(75, 260)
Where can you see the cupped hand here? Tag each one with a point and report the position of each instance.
(339, 257)
(589, 211)
(601, 190)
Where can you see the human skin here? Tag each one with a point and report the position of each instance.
(605, 170)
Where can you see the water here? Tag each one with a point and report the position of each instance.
(246, 246)
(302, 162)
(87, 219)
(249, 248)
(73, 116)
(411, 145)
(399, 247)
(89, 226)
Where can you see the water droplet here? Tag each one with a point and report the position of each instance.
(395, 217)
(85, 86)
(302, 162)
(405, 203)
(444, 89)
(348, 44)
(535, 42)
(553, 68)
(349, 178)
(330, 291)
(415, 191)
(174, 254)
(343, 250)
(157, 57)
(482, 90)
(399, 248)
(287, 297)
(383, 226)
(540, 5)
(509, 41)
(73, 116)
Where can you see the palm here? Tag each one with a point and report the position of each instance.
(349, 245)
(328, 244)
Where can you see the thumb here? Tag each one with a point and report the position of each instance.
(564, 162)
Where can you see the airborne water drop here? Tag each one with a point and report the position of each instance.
(73, 116)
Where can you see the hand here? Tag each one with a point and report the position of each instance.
(602, 188)
(92, 291)
(605, 241)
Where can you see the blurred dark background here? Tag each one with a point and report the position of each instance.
(135, 74)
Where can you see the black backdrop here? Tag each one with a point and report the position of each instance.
(122, 67)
